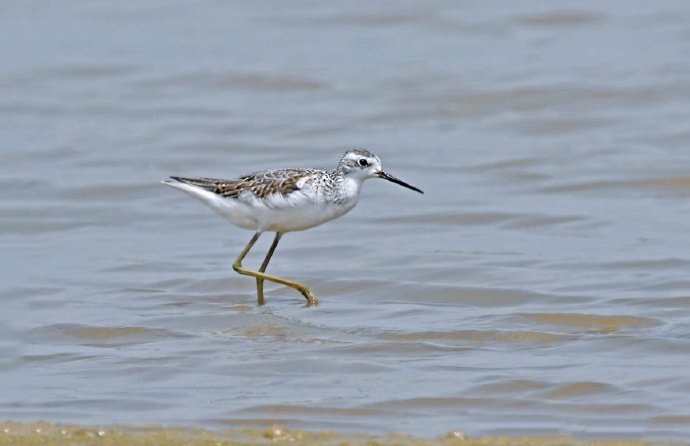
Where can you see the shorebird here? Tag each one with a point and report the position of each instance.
(285, 200)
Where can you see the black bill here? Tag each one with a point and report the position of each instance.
(392, 179)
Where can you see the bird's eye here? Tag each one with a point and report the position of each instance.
(363, 162)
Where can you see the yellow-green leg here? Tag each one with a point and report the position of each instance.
(261, 275)
(260, 282)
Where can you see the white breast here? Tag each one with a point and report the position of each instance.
(305, 208)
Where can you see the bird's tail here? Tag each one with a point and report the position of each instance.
(208, 184)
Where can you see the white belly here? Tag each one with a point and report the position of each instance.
(295, 212)
(300, 218)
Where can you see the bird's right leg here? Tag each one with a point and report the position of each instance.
(260, 275)
(264, 265)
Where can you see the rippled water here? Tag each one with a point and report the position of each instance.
(539, 286)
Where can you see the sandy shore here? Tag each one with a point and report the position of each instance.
(42, 433)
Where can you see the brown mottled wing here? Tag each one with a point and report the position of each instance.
(260, 184)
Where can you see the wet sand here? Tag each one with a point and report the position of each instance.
(55, 434)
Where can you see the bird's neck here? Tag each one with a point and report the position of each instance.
(347, 186)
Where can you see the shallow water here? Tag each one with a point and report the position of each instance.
(539, 286)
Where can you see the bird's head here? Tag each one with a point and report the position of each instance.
(362, 164)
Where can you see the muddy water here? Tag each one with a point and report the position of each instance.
(540, 285)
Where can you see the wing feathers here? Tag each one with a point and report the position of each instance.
(260, 184)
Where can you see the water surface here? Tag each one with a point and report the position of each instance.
(540, 285)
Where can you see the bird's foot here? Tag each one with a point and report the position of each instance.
(312, 300)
